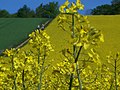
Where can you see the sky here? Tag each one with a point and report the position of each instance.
(13, 5)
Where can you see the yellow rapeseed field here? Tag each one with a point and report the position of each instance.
(108, 24)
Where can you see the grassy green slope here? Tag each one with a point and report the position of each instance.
(15, 30)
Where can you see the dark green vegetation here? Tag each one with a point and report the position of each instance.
(4, 13)
(115, 1)
(50, 10)
(14, 31)
(106, 9)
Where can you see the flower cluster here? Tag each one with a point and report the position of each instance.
(80, 67)
(24, 69)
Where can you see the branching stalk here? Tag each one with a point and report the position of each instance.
(38, 55)
(78, 54)
(115, 74)
(39, 66)
(41, 72)
(71, 80)
(78, 74)
(23, 77)
(74, 52)
(23, 80)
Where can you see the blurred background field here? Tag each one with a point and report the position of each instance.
(14, 31)
(109, 25)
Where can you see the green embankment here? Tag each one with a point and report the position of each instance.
(13, 31)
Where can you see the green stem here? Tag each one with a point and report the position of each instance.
(73, 32)
(23, 76)
(112, 82)
(38, 55)
(42, 69)
(14, 78)
(77, 68)
(79, 79)
(115, 74)
(71, 80)
(39, 66)
(78, 54)
(23, 80)
(75, 58)
(74, 52)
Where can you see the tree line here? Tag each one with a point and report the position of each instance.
(50, 10)
(107, 9)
